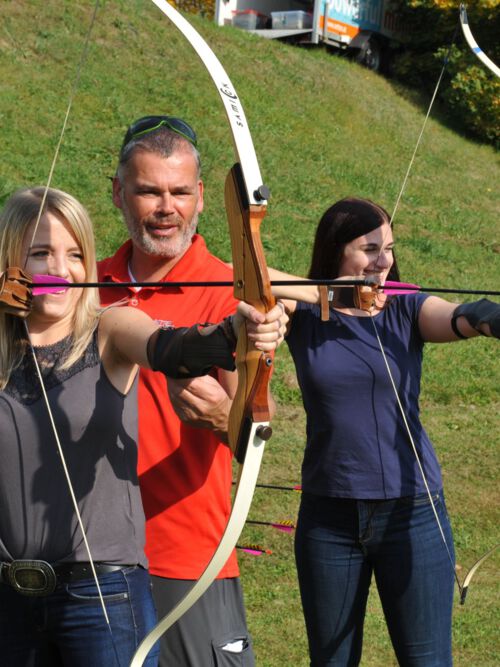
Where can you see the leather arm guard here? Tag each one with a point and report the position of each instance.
(186, 353)
(479, 312)
(15, 292)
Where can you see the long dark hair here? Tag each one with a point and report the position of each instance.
(343, 222)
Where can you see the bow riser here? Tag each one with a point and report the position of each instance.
(253, 391)
(252, 284)
(251, 278)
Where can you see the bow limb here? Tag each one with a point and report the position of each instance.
(257, 193)
(249, 418)
(239, 512)
(476, 50)
(472, 572)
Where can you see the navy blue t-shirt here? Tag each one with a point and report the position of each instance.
(357, 443)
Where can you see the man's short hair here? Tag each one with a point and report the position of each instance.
(163, 142)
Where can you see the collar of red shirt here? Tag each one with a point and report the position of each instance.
(116, 267)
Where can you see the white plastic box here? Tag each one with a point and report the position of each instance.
(291, 20)
(249, 19)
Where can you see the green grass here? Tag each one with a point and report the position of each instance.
(323, 129)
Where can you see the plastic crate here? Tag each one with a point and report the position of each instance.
(249, 19)
(291, 20)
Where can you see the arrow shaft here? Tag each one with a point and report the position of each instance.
(277, 283)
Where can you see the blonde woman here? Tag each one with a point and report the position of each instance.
(50, 611)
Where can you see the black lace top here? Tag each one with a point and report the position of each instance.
(24, 383)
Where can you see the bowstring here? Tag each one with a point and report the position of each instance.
(73, 91)
(424, 125)
(419, 140)
(462, 588)
(381, 347)
(74, 88)
(415, 452)
(67, 475)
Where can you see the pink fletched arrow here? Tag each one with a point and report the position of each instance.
(392, 287)
(40, 278)
(254, 550)
(284, 526)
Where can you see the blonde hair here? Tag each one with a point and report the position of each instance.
(19, 212)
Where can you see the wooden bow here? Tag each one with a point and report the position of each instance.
(248, 430)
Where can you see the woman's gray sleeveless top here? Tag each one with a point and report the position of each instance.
(97, 427)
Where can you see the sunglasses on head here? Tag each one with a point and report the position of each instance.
(151, 123)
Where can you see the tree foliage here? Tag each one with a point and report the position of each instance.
(470, 92)
(204, 8)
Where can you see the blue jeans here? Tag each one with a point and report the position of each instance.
(68, 627)
(339, 545)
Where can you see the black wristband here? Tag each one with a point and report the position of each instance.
(476, 313)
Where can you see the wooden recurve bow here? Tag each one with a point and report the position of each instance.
(249, 418)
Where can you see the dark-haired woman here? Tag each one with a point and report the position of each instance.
(365, 508)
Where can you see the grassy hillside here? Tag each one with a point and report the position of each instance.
(323, 129)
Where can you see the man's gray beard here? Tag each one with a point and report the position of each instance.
(168, 248)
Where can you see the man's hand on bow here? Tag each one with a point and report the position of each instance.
(201, 402)
(266, 330)
(15, 292)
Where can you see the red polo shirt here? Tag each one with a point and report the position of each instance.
(185, 473)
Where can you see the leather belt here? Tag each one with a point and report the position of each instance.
(38, 578)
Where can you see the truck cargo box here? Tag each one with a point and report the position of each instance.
(291, 20)
(249, 19)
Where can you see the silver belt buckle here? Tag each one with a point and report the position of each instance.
(31, 577)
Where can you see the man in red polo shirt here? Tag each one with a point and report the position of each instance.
(184, 472)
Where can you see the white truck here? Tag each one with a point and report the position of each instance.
(368, 29)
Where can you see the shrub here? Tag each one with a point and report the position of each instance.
(204, 8)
